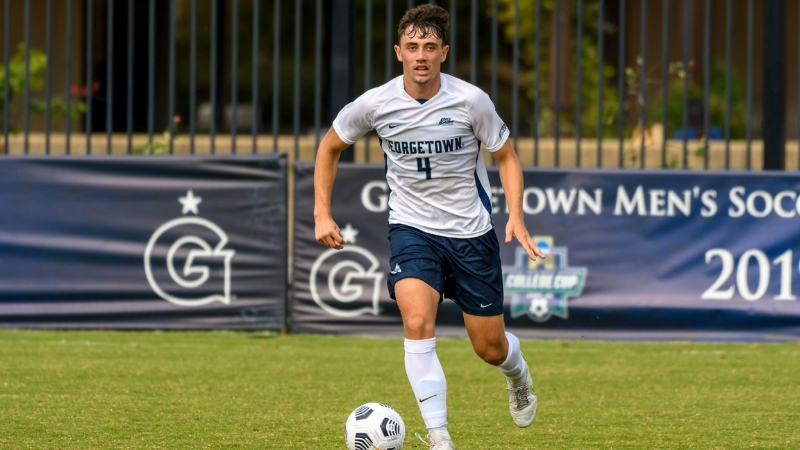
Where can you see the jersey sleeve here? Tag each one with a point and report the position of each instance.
(355, 119)
(487, 125)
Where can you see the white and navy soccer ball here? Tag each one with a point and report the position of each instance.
(374, 426)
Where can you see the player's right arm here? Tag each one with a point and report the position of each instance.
(352, 122)
(326, 232)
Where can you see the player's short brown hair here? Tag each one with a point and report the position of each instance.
(425, 20)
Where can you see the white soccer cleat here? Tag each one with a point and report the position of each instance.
(444, 445)
(438, 441)
(522, 401)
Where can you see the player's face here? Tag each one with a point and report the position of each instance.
(422, 58)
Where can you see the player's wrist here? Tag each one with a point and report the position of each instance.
(513, 217)
(322, 215)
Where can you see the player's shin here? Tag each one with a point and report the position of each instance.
(514, 365)
(427, 381)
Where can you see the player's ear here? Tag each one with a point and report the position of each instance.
(445, 50)
(397, 52)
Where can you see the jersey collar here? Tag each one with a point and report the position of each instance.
(442, 87)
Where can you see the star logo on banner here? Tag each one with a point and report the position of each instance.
(181, 249)
(349, 234)
(190, 203)
(346, 282)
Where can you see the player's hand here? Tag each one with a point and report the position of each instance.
(516, 228)
(327, 234)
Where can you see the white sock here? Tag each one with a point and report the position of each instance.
(514, 365)
(427, 380)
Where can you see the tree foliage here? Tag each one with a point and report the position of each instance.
(36, 83)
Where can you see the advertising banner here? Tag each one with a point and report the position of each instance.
(630, 255)
(143, 242)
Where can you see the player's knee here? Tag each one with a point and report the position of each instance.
(417, 325)
(492, 354)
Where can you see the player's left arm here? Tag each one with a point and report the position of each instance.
(511, 179)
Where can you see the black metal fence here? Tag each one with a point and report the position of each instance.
(588, 83)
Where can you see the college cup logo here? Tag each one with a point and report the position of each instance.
(189, 236)
(352, 279)
(540, 288)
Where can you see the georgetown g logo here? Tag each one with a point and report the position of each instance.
(347, 282)
(188, 285)
(540, 288)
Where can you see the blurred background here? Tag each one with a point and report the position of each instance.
(587, 83)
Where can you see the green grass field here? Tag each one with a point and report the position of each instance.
(175, 390)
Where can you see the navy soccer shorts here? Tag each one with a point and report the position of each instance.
(467, 271)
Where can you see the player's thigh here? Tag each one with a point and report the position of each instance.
(418, 303)
(474, 275)
(487, 334)
(414, 255)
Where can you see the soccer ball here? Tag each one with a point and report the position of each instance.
(374, 426)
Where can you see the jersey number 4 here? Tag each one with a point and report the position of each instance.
(424, 165)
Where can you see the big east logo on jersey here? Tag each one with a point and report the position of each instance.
(540, 288)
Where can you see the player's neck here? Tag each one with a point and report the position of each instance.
(422, 92)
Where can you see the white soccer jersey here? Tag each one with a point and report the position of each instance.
(437, 179)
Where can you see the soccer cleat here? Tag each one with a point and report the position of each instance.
(522, 401)
(438, 441)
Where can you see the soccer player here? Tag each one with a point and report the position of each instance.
(431, 127)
